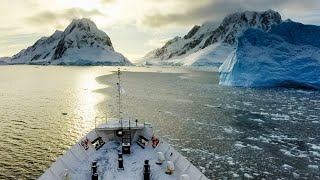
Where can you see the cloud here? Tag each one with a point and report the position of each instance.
(215, 10)
(50, 17)
(157, 41)
(107, 1)
(11, 44)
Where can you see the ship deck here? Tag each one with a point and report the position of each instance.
(103, 145)
(114, 125)
(107, 161)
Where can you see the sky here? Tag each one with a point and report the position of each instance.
(134, 26)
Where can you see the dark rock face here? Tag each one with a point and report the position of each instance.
(61, 48)
(232, 26)
(192, 32)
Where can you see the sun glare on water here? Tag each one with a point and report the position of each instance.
(88, 99)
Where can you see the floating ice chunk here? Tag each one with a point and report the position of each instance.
(203, 170)
(315, 147)
(279, 117)
(286, 152)
(247, 103)
(235, 175)
(239, 145)
(246, 175)
(257, 120)
(315, 153)
(200, 123)
(254, 147)
(296, 175)
(300, 154)
(230, 130)
(186, 150)
(208, 165)
(314, 167)
(286, 166)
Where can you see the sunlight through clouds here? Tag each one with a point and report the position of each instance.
(136, 26)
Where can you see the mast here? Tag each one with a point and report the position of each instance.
(119, 96)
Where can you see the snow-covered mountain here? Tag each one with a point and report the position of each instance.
(81, 43)
(209, 44)
(287, 55)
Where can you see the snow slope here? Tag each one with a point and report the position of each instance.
(287, 55)
(81, 43)
(216, 42)
(213, 55)
(40, 52)
(4, 60)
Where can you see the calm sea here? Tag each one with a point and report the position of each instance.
(227, 132)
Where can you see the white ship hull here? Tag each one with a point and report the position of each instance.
(103, 145)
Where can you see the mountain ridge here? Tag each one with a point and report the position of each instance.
(200, 37)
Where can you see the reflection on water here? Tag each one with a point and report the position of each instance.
(87, 99)
(32, 126)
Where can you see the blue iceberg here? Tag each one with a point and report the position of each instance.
(287, 55)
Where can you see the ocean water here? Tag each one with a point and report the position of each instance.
(227, 132)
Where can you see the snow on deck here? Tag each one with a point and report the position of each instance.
(107, 161)
(76, 162)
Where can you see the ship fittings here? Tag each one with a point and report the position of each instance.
(120, 162)
(95, 176)
(146, 170)
(94, 169)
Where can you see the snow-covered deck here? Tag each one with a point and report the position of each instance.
(77, 161)
(107, 161)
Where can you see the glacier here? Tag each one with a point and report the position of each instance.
(288, 55)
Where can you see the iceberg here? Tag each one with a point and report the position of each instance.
(288, 55)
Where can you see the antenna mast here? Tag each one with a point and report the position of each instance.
(119, 96)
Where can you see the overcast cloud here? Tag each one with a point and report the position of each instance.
(48, 17)
(134, 26)
(217, 9)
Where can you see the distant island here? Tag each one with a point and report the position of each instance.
(81, 44)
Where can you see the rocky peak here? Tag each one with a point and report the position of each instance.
(83, 24)
(235, 24)
(192, 32)
(82, 33)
